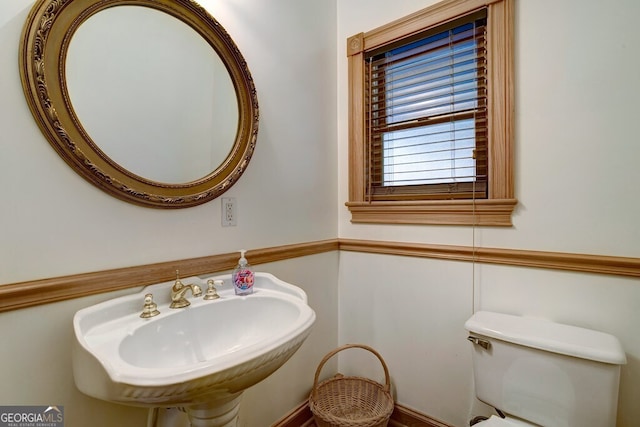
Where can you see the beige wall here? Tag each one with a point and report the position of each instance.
(54, 223)
(575, 154)
(575, 97)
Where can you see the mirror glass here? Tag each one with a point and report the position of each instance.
(152, 94)
(149, 100)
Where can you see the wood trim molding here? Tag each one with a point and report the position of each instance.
(355, 44)
(440, 12)
(36, 292)
(407, 417)
(402, 416)
(25, 294)
(357, 124)
(501, 99)
(300, 416)
(486, 212)
(600, 264)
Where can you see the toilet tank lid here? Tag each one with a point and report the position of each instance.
(549, 336)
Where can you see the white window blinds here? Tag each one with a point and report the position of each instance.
(426, 115)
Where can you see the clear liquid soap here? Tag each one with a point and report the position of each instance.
(243, 276)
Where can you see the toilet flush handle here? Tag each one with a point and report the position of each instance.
(478, 341)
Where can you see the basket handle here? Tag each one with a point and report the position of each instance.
(387, 385)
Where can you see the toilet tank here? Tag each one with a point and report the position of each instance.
(545, 373)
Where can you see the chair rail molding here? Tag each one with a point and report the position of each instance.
(43, 291)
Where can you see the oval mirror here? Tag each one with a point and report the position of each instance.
(149, 100)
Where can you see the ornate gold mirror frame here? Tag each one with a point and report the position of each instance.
(43, 48)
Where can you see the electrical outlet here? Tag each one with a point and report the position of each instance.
(229, 212)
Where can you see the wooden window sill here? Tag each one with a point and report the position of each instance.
(486, 212)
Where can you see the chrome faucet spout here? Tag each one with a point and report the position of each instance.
(178, 291)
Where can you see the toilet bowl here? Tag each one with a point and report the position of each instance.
(495, 421)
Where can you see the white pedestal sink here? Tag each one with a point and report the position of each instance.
(200, 357)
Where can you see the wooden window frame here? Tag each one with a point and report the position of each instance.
(497, 208)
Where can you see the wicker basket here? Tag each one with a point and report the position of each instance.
(343, 401)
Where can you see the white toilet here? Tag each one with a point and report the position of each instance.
(540, 373)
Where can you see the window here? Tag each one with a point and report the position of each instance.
(425, 115)
(430, 117)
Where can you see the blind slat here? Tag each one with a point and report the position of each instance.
(426, 63)
(429, 44)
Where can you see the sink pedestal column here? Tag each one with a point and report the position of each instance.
(219, 413)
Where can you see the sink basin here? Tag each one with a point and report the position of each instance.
(200, 357)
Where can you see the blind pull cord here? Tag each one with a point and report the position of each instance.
(369, 136)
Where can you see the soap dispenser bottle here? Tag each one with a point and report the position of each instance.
(243, 276)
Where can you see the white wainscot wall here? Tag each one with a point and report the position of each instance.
(413, 310)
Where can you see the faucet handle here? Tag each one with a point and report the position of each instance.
(150, 308)
(212, 293)
(178, 281)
